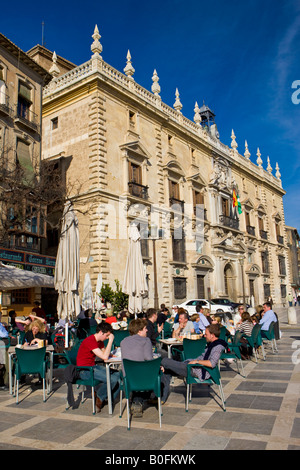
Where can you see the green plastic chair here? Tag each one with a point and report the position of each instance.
(140, 376)
(193, 348)
(255, 341)
(89, 382)
(167, 330)
(269, 335)
(29, 361)
(234, 351)
(215, 379)
(21, 336)
(68, 355)
(119, 335)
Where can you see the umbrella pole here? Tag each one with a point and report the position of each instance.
(67, 333)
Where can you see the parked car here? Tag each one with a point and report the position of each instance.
(190, 306)
(227, 302)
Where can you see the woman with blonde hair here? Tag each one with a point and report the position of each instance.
(36, 331)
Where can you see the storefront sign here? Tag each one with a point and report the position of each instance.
(28, 261)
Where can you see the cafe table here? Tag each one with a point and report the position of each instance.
(12, 354)
(111, 362)
(170, 342)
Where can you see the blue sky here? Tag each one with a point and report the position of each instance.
(240, 57)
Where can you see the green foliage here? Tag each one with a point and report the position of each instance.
(120, 299)
(107, 293)
(117, 298)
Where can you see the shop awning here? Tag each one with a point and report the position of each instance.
(12, 278)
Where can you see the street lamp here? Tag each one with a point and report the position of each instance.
(155, 235)
(241, 260)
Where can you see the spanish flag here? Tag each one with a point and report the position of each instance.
(234, 199)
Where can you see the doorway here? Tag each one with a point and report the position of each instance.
(200, 286)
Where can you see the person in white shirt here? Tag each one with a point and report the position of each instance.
(267, 317)
(203, 322)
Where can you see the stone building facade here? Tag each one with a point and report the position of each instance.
(133, 158)
(21, 86)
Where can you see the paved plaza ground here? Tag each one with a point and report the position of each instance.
(263, 413)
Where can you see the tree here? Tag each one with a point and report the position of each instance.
(32, 198)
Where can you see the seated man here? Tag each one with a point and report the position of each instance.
(153, 330)
(137, 347)
(209, 358)
(267, 317)
(184, 325)
(91, 348)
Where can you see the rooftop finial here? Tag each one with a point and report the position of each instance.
(129, 70)
(269, 168)
(247, 154)
(155, 88)
(197, 117)
(96, 47)
(54, 68)
(278, 174)
(259, 160)
(177, 105)
(234, 144)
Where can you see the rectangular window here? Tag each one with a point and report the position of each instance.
(267, 291)
(135, 185)
(265, 262)
(281, 265)
(24, 160)
(24, 101)
(20, 296)
(283, 291)
(132, 119)
(178, 247)
(180, 288)
(173, 190)
(225, 206)
(54, 123)
(198, 202)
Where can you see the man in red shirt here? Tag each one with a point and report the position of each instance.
(92, 347)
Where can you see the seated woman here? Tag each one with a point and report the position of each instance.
(35, 332)
(245, 326)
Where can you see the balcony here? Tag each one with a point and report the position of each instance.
(263, 235)
(27, 118)
(4, 103)
(280, 239)
(138, 190)
(229, 222)
(250, 230)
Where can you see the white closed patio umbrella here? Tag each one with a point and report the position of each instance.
(87, 296)
(97, 300)
(66, 277)
(135, 284)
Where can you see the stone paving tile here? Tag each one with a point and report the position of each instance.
(206, 442)
(119, 438)
(241, 422)
(252, 386)
(254, 402)
(296, 428)
(57, 430)
(244, 444)
(8, 420)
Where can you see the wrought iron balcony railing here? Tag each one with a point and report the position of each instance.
(229, 222)
(138, 190)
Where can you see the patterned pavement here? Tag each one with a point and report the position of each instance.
(263, 413)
